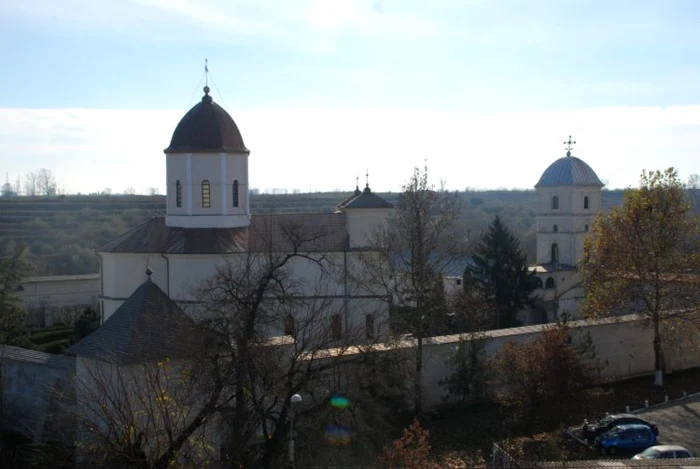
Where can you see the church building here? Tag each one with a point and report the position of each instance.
(208, 223)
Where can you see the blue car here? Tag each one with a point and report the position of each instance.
(626, 438)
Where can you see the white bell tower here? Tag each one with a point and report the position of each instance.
(568, 200)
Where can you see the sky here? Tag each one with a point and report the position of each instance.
(482, 91)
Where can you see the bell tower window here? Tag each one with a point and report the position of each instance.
(555, 202)
(235, 193)
(555, 253)
(585, 203)
(178, 193)
(206, 194)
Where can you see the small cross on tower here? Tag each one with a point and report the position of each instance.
(569, 146)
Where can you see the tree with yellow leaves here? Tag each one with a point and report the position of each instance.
(643, 257)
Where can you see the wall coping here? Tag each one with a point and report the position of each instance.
(60, 278)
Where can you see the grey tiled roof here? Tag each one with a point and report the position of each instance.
(569, 171)
(364, 199)
(148, 326)
(155, 236)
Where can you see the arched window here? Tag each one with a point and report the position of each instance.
(538, 282)
(549, 283)
(555, 228)
(336, 327)
(586, 228)
(289, 325)
(235, 193)
(178, 193)
(369, 326)
(555, 202)
(585, 203)
(206, 194)
(555, 253)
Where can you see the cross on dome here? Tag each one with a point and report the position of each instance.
(569, 146)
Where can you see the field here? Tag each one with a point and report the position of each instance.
(62, 232)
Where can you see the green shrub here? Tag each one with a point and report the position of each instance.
(45, 336)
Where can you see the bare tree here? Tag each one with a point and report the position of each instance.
(693, 181)
(153, 191)
(31, 184)
(248, 299)
(129, 191)
(107, 191)
(146, 415)
(407, 258)
(45, 182)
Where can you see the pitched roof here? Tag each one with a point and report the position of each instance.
(364, 199)
(569, 171)
(148, 326)
(324, 232)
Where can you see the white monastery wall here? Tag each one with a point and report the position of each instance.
(57, 291)
(626, 344)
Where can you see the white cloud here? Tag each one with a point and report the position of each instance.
(323, 149)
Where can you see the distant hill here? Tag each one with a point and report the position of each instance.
(62, 232)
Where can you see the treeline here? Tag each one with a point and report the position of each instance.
(62, 231)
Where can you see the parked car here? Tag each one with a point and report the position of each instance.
(591, 431)
(664, 452)
(626, 438)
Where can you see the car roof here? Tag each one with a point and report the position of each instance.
(632, 426)
(624, 416)
(668, 448)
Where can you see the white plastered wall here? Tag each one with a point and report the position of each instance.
(570, 219)
(363, 222)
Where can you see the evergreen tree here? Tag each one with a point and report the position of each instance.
(499, 270)
(13, 317)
